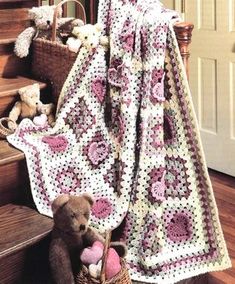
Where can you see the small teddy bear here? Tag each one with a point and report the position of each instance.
(27, 106)
(88, 36)
(70, 235)
(43, 19)
(48, 110)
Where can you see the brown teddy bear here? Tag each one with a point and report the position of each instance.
(70, 236)
(27, 106)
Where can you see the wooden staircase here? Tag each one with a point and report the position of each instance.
(24, 233)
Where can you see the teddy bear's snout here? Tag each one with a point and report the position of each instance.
(82, 227)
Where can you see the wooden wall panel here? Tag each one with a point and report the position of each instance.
(207, 15)
(208, 94)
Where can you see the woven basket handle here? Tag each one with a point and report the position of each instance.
(55, 18)
(105, 255)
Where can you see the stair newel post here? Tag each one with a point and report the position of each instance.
(183, 33)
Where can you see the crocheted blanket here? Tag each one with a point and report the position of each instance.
(127, 134)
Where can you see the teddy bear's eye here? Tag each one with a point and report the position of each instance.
(86, 215)
(73, 215)
(85, 37)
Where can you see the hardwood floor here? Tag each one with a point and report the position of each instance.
(224, 190)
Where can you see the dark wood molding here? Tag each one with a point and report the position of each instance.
(183, 33)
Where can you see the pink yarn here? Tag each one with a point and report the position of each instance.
(128, 41)
(102, 208)
(56, 143)
(97, 152)
(179, 228)
(98, 88)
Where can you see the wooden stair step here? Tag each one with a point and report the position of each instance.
(24, 245)
(7, 40)
(21, 227)
(9, 154)
(10, 86)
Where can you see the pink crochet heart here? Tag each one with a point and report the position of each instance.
(113, 266)
(56, 143)
(40, 120)
(179, 228)
(97, 152)
(92, 255)
(158, 189)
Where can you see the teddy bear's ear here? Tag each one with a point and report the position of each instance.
(76, 31)
(32, 12)
(36, 86)
(99, 27)
(21, 91)
(59, 202)
(88, 198)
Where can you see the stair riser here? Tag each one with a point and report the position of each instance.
(27, 266)
(14, 27)
(6, 49)
(11, 65)
(11, 268)
(6, 104)
(18, 4)
(11, 15)
(13, 22)
(14, 184)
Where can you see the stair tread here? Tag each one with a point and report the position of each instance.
(9, 154)
(7, 40)
(10, 86)
(21, 227)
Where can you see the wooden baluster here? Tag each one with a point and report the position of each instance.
(184, 34)
(92, 12)
(65, 10)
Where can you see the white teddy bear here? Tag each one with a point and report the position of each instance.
(43, 19)
(88, 36)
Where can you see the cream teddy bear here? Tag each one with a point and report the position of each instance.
(88, 36)
(27, 106)
(43, 19)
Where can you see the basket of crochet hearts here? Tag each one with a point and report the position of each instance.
(106, 276)
(52, 59)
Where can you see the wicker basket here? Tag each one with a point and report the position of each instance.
(121, 278)
(52, 61)
(4, 130)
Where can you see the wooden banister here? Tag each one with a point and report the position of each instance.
(183, 33)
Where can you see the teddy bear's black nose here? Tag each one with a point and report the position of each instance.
(48, 22)
(82, 227)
